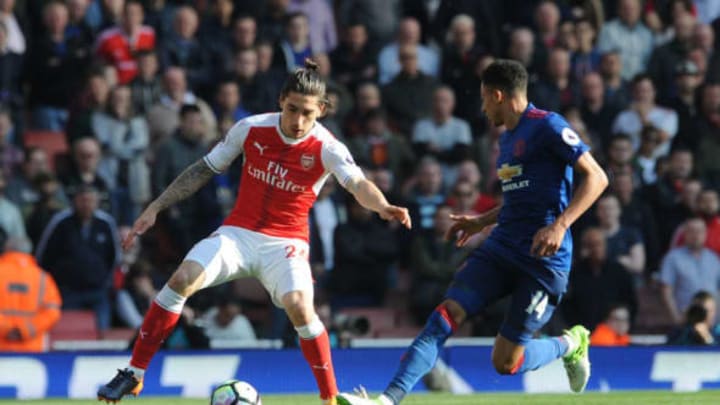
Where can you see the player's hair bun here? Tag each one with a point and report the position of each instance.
(311, 65)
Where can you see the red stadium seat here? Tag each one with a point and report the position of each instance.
(54, 143)
(75, 325)
(119, 334)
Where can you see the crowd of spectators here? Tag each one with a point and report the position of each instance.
(138, 90)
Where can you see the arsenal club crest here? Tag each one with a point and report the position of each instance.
(307, 161)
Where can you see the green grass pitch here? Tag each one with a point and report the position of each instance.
(629, 398)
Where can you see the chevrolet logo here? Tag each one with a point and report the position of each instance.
(507, 172)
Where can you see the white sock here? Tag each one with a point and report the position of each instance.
(137, 372)
(170, 300)
(385, 400)
(312, 330)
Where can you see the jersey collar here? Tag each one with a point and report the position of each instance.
(288, 140)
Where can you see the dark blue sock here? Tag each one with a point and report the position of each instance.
(421, 355)
(539, 352)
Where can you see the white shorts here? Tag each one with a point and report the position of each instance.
(280, 264)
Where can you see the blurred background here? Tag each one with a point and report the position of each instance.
(104, 102)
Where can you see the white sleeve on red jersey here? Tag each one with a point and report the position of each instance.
(230, 147)
(337, 160)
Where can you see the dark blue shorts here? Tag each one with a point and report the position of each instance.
(488, 275)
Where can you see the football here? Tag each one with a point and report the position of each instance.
(235, 392)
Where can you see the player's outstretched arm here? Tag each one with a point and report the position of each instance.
(370, 197)
(547, 240)
(465, 226)
(184, 185)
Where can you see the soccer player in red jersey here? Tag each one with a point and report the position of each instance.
(288, 156)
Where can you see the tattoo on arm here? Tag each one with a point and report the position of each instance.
(184, 185)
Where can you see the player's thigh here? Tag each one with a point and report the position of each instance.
(221, 257)
(284, 268)
(531, 307)
(480, 281)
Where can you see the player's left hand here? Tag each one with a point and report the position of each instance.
(401, 214)
(547, 240)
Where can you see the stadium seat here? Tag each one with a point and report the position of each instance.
(125, 334)
(75, 325)
(54, 143)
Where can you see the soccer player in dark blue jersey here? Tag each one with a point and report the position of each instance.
(527, 255)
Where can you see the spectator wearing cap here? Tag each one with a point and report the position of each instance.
(80, 249)
(684, 103)
(664, 59)
(629, 36)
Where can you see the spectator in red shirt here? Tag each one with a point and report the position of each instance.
(118, 45)
(708, 208)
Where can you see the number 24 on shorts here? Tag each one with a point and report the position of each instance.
(292, 251)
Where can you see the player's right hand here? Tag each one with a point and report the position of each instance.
(464, 228)
(144, 222)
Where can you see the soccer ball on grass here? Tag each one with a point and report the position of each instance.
(235, 392)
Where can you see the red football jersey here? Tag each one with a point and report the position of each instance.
(116, 48)
(281, 176)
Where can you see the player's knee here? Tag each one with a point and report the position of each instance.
(504, 365)
(454, 310)
(186, 280)
(298, 309)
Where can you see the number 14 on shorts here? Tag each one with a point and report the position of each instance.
(538, 304)
(292, 252)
